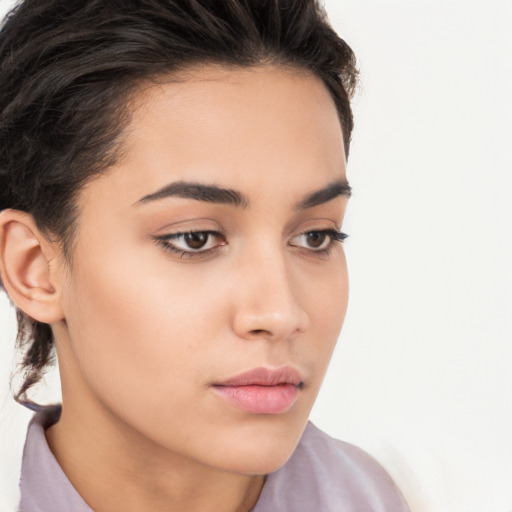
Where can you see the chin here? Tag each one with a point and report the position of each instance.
(261, 449)
(258, 463)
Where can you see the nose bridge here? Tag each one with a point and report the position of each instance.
(266, 303)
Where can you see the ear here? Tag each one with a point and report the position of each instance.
(29, 267)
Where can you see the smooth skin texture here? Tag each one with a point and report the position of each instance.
(142, 333)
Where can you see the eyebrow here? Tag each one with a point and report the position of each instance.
(199, 192)
(219, 195)
(326, 194)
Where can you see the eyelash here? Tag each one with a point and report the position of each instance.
(165, 241)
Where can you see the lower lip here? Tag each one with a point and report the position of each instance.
(260, 399)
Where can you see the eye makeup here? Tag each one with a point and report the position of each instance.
(319, 241)
(192, 244)
(203, 243)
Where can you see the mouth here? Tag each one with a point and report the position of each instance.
(262, 390)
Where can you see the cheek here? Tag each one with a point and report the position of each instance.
(137, 331)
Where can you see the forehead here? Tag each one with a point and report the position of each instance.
(239, 128)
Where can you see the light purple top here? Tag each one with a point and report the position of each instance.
(322, 475)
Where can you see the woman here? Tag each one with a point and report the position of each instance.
(173, 187)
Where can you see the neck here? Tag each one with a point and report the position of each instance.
(115, 468)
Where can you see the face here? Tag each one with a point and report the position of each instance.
(208, 284)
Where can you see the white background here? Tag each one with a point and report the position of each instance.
(422, 376)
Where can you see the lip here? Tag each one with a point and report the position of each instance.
(262, 390)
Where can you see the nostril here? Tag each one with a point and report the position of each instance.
(258, 332)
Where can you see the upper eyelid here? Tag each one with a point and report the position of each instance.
(334, 234)
(330, 231)
(191, 231)
(219, 233)
(188, 225)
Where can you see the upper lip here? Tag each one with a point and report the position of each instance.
(264, 377)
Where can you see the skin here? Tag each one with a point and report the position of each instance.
(142, 332)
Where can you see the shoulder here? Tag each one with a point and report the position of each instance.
(330, 475)
(43, 484)
(345, 461)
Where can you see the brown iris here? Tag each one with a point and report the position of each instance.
(316, 239)
(196, 240)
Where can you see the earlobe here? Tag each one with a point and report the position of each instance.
(25, 266)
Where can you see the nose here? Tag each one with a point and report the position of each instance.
(266, 301)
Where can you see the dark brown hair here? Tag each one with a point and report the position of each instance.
(68, 67)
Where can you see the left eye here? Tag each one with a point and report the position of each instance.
(192, 242)
(318, 240)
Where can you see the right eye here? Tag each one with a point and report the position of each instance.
(192, 242)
